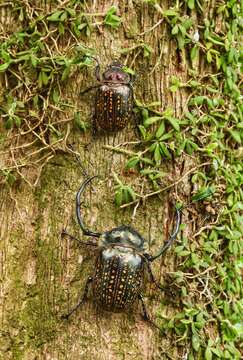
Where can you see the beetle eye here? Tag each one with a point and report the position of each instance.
(110, 77)
(119, 77)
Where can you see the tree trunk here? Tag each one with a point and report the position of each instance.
(43, 275)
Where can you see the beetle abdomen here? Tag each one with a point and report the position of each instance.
(118, 279)
(113, 105)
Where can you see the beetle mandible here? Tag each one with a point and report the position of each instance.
(114, 98)
(121, 263)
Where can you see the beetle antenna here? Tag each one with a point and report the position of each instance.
(77, 157)
(78, 212)
(171, 239)
(97, 68)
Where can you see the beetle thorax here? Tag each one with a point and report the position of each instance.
(124, 237)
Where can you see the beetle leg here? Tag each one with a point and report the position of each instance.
(94, 126)
(97, 72)
(80, 242)
(137, 116)
(153, 278)
(171, 239)
(82, 300)
(88, 89)
(78, 159)
(145, 314)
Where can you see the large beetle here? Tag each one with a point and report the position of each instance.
(113, 99)
(121, 263)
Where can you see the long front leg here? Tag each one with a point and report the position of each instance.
(82, 300)
(89, 88)
(80, 242)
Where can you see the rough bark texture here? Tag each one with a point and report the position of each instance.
(42, 275)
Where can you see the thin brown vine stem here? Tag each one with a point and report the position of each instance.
(6, 4)
(42, 140)
(190, 276)
(17, 166)
(27, 164)
(30, 129)
(13, 198)
(18, 147)
(122, 151)
(209, 226)
(144, 197)
(18, 171)
(41, 167)
(44, 148)
(152, 28)
(157, 63)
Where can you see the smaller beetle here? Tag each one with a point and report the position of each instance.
(121, 263)
(113, 99)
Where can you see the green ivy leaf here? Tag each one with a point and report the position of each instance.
(9, 123)
(194, 53)
(55, 95)
(111, 19)
(197, 100)
(128, 70)
(132, 194)
(55, 16)
(165, 151)
(208, 354)
(160, 130)
(151, 120)
(170, 12)
(147, 50)
(17, 120)
(175, 30)
(65, 73)
(118, 197)
(157, 154)
(132, 162)
(195, 342)
(180, 40)
(203, 194)
(3, 67)
(174, 122)
(235, 135)
(191, 4)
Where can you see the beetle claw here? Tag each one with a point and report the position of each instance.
(63, 233)
(65, 317)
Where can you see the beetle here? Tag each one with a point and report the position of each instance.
(121, 263)
(113, 99)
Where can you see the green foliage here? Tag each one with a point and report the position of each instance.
(80, 124)
(124, 193)
(111, 19)
(10, 178)
(10, 111)
(203, 194)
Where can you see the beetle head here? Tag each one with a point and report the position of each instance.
(124, 236)
(115, 74)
